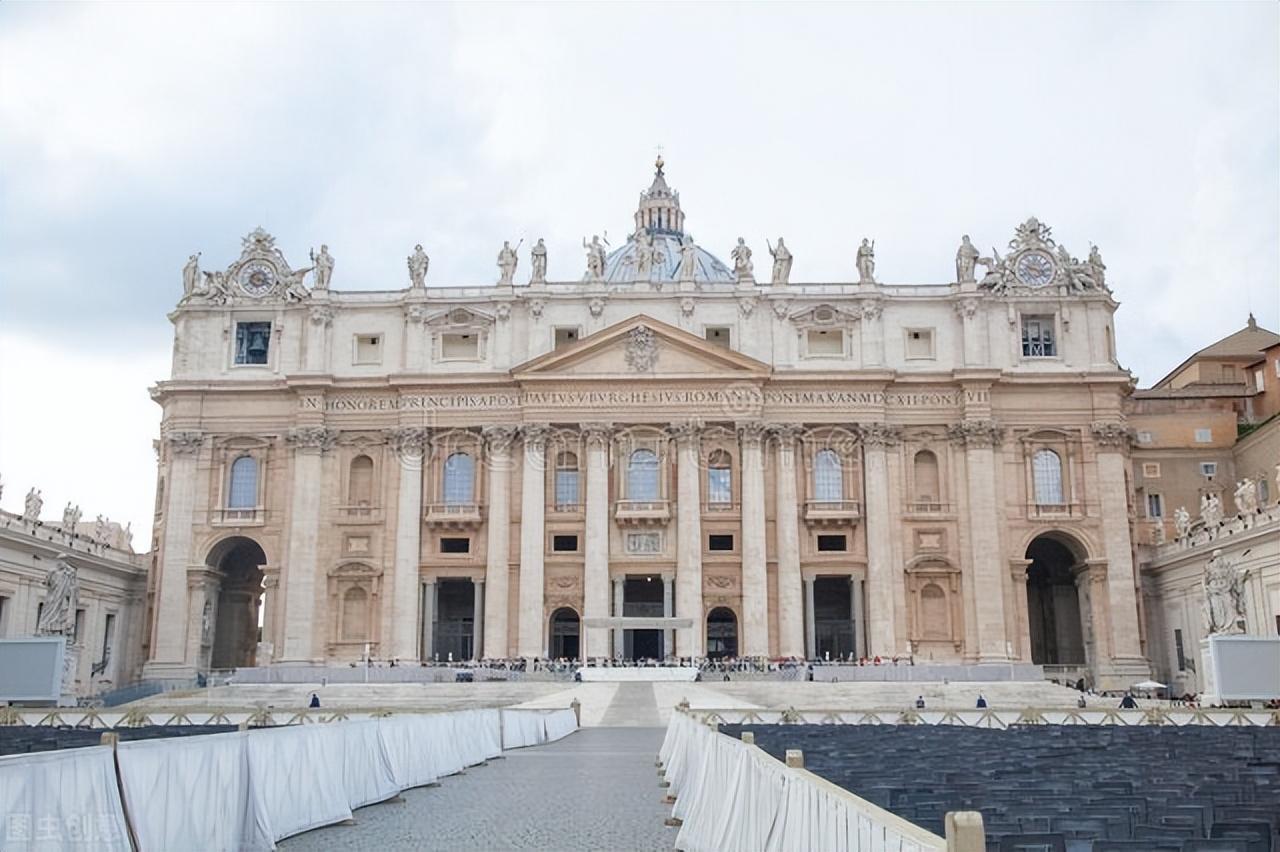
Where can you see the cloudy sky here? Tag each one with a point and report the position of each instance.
(133, 135)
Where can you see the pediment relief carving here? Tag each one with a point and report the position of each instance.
(459, 317)
(355, 569)
(826, 315)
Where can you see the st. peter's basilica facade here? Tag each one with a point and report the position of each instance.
(665, 456)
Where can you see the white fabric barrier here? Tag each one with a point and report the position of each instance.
(61, 799)
(366, 769)
(522, 728)
(296, 773)
(560, 724)
(731, 796)
(489, 732)
(648, 674)
(193, 793)
(401, 740)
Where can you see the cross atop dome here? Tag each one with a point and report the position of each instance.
(659, 211)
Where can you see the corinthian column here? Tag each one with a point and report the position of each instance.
(532, 546)
(755, 575)
(879, 512)
(409, 445)
(497, 569)
(979, 439)
(300, 568)
(791, 625)
(595, 579)
(690, 641)
(1112, 441)
(168, 648)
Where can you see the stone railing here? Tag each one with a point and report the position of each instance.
(1201, 535)
(52, 532)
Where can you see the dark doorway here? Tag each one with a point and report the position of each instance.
(565, 632)
(236, 633)
(722, 633)
(833, 617)
(642, 598)
(455, 614)
(1053, 604)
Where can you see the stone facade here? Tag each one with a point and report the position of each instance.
(728, 466)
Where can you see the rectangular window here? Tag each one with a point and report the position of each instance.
(1037, 337)
(717, 334)
(1258, 383)
(460, 347)
(1229, 374)
(719, 542)
(1155, 506)
(1204, 436)
(253, 341)
(644, 544)
(566, 335)
(455, 545)
(826, 341)
(1209, 469)
(1151, 470)
(719, 485)
(1277, 366)
(566, 488)
(564, 543)
(832, 543)
(368, 349)
(919, 343)
(1177, 647)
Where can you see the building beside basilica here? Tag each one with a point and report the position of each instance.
(662, 456)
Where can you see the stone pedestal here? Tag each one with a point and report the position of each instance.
(1208, 676)
(70, 665)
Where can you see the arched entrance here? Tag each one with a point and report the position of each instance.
(236, 623)
(1053, 604)
(565, 632)
(722, 633)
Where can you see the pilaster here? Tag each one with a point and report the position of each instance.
(755, 583)
(791, 626)
(595, 579)
(532, 545)
(690, 641)
(168, 652)
(300, 568)
(495, 640)
(409, 445)
(881, 582)
(1112, 441)
(979, 438)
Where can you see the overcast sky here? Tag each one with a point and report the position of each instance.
(132, 136)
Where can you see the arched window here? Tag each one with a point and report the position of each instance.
(828, 479)
(360, 482)
(243, 493)
(926, 478)
(355, 615)
(566, 479)
(642, 475)
(719, 478)
(459, 479)
(1046, 470)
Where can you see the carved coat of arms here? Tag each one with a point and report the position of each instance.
(642, 349)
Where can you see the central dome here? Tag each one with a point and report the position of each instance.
(660, 234)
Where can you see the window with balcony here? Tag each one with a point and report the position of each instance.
(719, 478)
(1046, 473)
(253, 343)
(1038, 337)
(567, 480)
(828, 477)
(642, 475)
(459, 480)
(242, 492)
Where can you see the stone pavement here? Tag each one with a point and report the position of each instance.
(596, 789)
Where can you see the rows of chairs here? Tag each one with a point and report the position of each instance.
(21, 739)
(1071, 788)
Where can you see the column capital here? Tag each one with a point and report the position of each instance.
(535, 434)
(1112, 434)
(322, 315)
(880, 434)
(498, 437)
(597, 433)
(186, 443)
(750, 432)
(1018, 569)
(312, 438)
(976, 433)
(415, 313)
(686, 431)
(407, 441)
(786, 433)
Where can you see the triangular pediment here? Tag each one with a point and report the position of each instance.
(642, 347)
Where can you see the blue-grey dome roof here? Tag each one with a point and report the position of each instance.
(622, 263)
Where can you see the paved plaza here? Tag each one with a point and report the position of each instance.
(596, 789)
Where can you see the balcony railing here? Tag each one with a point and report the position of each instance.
(456, 515)
(360, 514)
(1054, 510)
(832, 511)
(927, 507)
(255, 516)
(718, 507)
(642, 511)
(565, 508)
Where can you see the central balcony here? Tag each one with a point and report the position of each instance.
(832, 512)
(641, 512)
(453, 515)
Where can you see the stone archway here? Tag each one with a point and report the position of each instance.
(566, 630)
(722, 633)
(235, 624)
(1054, 607)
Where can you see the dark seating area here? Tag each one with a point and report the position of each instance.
(21, 739)
(1049, 788)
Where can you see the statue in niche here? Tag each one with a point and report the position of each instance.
(966, 261)
(507, 262)
(418, 263)
(32, 506)
(1210, 510)
(62, 592)
(742, 266)
(1224, 603)
(191, 275)
(323, 264)
(538, 260)
(867, 262)
(781, 263)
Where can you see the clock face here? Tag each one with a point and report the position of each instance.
(1034, 268)
(257, 279)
